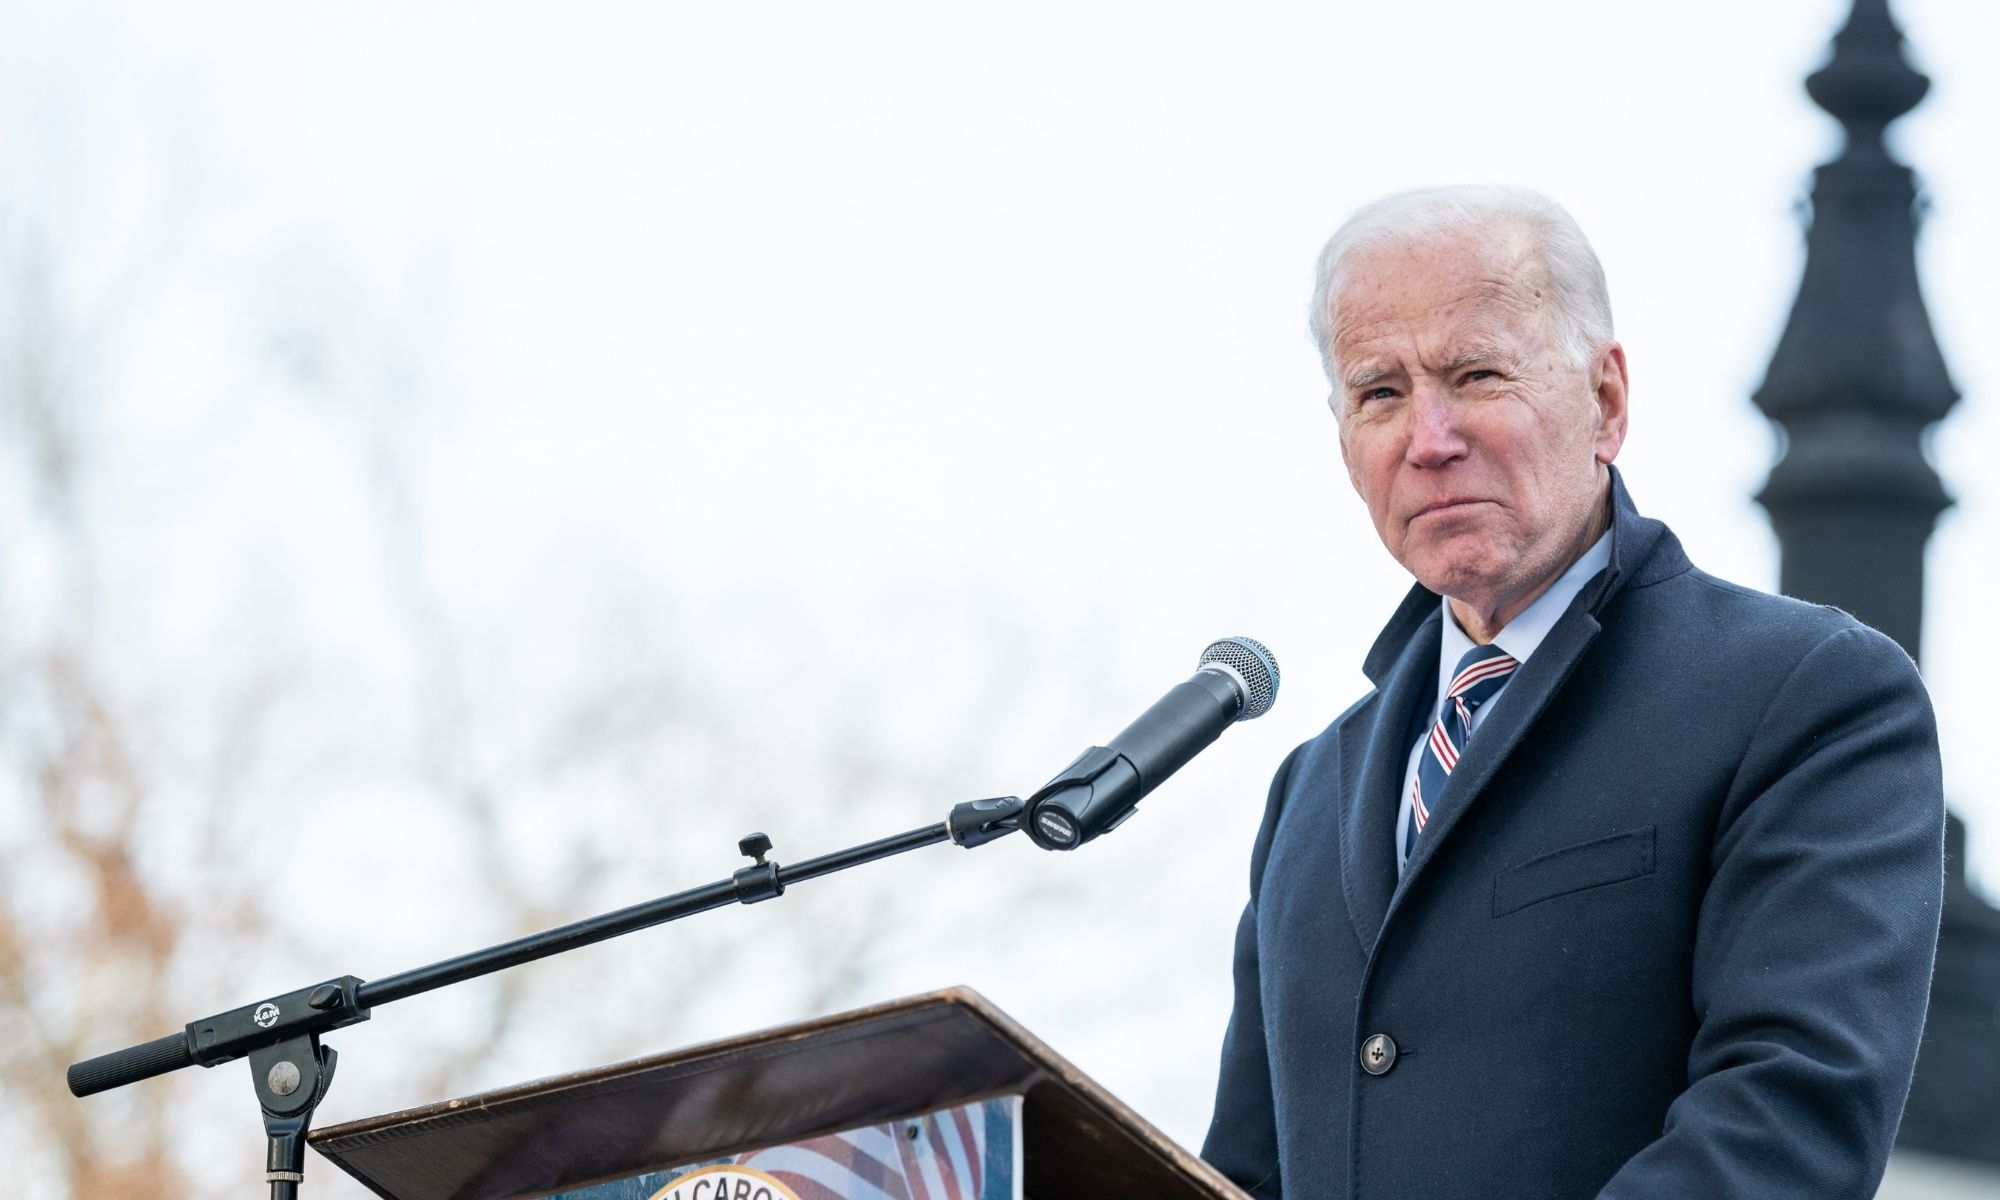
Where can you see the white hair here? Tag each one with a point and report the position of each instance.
(1579, 304)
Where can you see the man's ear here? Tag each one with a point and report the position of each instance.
(1611, 385)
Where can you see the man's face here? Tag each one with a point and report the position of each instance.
(1478, 448)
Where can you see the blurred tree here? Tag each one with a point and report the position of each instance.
(148, 877)
(88, 935)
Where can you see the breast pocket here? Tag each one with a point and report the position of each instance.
(1575, 868)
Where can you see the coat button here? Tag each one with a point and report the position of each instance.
(1378, 1054)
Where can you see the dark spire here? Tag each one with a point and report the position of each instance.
(1857, 375)
(1856, 379)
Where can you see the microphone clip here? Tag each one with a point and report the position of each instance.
(1093, 795)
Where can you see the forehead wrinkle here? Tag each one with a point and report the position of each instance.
(1358, 319)
(1453, 349)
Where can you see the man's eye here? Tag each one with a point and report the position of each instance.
(1377, 393)
(1480, 375)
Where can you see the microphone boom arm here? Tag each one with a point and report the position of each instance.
(280, 1035)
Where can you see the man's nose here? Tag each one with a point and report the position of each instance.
(1434, 435)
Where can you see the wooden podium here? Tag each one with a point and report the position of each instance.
(885, 1066)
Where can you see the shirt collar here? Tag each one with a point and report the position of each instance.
(1520, 636)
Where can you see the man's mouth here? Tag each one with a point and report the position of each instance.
(1447, 506)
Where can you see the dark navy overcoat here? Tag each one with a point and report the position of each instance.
(1668, 934)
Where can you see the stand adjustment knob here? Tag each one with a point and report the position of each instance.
(760, 881)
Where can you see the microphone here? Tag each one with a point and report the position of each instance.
(1237, 681)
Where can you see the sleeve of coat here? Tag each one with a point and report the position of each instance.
(1814, 942)
(1242, 1139)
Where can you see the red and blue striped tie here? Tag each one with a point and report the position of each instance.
(1481, 673)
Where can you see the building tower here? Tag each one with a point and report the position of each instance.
(1855, 381)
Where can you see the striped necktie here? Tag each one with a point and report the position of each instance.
(1481, 674)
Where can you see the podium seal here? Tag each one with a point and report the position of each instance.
(728, 1182)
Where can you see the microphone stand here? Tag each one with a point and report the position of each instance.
(280, 1036)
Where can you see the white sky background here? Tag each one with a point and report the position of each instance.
(898, 358)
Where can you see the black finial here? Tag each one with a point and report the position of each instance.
(1867, 83)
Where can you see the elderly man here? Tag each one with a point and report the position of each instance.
(1623, 881)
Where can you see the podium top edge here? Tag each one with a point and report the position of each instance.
(814, 1077)
(818, 1076)
(943, 1004)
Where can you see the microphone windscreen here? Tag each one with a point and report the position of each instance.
(1250, 662)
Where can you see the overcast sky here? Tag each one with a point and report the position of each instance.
(901, 343)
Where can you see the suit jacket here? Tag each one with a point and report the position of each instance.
(1668, 933)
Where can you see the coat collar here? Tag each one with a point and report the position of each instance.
(1376, 739)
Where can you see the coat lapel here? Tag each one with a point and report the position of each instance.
(1375, 744)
